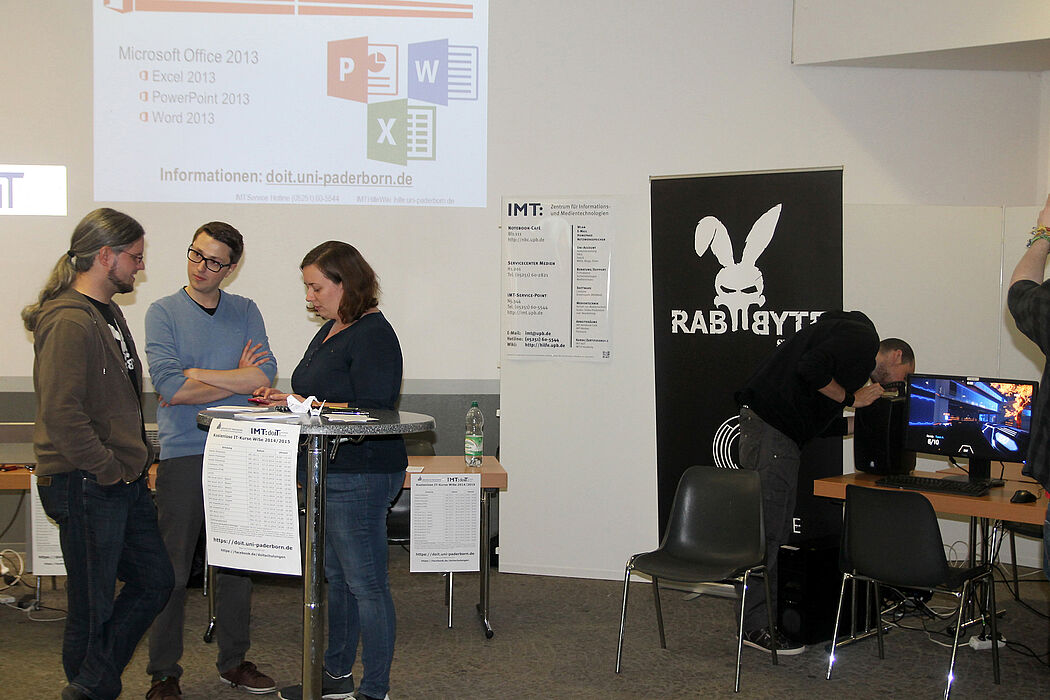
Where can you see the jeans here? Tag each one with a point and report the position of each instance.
(776, 458)
(180, 514)
(107, 533)
(360, 606)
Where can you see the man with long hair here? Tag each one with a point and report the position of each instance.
(92, 453)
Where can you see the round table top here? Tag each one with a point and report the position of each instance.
(386, 423)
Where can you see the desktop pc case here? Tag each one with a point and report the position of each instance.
(808, 584)
(878, 438)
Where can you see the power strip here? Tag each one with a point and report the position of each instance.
(976, 642)
(6, 599)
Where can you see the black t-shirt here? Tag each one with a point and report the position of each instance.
(118, 335)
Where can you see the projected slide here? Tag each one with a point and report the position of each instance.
(291, 101)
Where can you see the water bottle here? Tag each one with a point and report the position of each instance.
(474, 441)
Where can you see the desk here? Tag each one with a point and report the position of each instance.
(994, 506)
(493, 479)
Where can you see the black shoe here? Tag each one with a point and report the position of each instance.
(332, 688)
(763, 641)
(71, 692)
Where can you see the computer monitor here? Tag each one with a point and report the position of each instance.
(976, 418)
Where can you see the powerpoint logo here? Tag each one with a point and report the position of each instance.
(357, 69)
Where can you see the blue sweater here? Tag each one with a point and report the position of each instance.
(180, 335)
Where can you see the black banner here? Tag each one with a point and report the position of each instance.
(740, 262)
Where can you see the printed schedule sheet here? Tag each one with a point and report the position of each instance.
(250, 506)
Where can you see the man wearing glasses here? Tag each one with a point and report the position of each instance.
(205, 347)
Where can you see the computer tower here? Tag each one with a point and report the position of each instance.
(878, 438)
(808, 584)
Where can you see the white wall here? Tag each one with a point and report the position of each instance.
(589, 97)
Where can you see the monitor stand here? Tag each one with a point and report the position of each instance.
(979, 472)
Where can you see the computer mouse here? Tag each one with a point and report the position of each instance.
(1022, 496)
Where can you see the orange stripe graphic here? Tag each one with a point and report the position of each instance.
(369, 8)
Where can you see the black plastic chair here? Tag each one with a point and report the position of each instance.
(892, 538)
(714, 534)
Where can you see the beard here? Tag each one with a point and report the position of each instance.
(122, 286)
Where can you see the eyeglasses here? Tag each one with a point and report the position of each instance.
(138, 258)
(194, 256)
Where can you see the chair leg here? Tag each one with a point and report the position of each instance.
(876, 591)
(740, 632)
(623, 615)
(838, 616)
(964, 598)
(659, 612)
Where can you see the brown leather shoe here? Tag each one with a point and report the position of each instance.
(249, 679)
(166, 688)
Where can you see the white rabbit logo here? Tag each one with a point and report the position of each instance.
(738, 285)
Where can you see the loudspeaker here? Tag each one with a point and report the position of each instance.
(878, 438)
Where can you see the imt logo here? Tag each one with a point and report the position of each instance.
(7, 193)
(32, 190)
(525, 209)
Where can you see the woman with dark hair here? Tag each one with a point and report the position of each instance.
(354, 360)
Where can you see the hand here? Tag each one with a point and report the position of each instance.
(161, 401)
(252, 356)
(272, 396)
(867, 395)
(1044, 215)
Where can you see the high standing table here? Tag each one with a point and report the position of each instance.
(323, 435)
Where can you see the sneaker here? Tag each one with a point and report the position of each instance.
(71, 692)
(249, 679)
(362, 696)
(166, 688)
(763, 641)
(332, 688)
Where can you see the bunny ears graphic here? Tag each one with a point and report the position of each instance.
(711, 232)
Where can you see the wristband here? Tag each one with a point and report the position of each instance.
(849, 399)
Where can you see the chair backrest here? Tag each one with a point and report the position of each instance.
(893, 536)
(717, 514)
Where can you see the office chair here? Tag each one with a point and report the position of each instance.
(892, 538)
(714, 534)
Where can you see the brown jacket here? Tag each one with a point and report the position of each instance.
(89, 415)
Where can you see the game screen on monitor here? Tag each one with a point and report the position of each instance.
(987, 419)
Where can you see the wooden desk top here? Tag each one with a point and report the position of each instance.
(995, 505)
(493, 475)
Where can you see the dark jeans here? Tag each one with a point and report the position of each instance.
(108, 533)
(359, 602)
(775, 457)
(180, 514)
